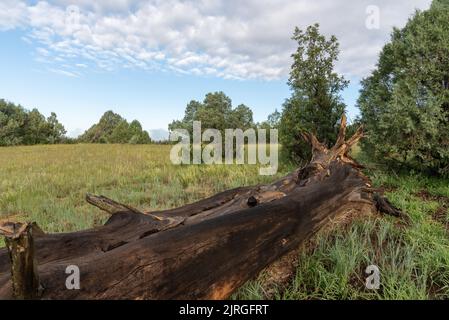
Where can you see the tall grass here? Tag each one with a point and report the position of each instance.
(47, 184)
(412, 254)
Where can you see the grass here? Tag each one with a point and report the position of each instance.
(47, 184)
(413, 256)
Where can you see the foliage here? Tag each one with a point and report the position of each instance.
(215, 112)
(352, 126)
(19, 126)
(112, 128)
(315, 104)
(440, 4)
(405, 101)
(272, 122)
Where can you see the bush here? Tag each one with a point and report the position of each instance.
(405, 102)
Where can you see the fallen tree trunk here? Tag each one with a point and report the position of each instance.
(204, 250)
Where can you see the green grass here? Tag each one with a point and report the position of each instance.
(413, 255)
(47, 184)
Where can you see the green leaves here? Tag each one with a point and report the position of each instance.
(405, 101)
(316, 104)
(20, 126)
(112, 128)
(215, 112)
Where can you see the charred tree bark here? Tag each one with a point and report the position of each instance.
(207, 249)
(20, 245)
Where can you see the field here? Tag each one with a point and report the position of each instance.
(47, 184)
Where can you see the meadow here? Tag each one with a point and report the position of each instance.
(47, 184)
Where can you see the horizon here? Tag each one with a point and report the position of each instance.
(146, 60)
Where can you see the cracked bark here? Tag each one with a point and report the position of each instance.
(204, 250)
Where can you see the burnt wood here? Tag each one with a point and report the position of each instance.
(204, 250)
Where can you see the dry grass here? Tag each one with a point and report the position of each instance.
(47, 184)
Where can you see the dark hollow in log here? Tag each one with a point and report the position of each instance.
(207, 249)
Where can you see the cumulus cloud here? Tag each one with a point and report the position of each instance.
(223, 38)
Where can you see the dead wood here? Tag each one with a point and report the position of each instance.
(204, 250)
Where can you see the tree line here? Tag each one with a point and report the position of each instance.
(404, 102)
(19, 126)
(216, 111)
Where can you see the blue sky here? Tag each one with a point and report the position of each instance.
(154, 98)
(147, 59)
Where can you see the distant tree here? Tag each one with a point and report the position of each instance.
(101, 132)
(20, 126)
(112, 128)
(272, 122)
(215, 112)
(242, 117)
(404, 103)
(138, 135)
(274, 119)
(316, 104)
(56, 131)
(121, 133)
(12, 119)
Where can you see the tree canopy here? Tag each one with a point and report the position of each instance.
(315, 104)
(19, 126)
(215, 112)
(405, 101)
(112, 128)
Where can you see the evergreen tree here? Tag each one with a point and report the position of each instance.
(315, 104)
(20, 126)
(405, 101)
(112, 128)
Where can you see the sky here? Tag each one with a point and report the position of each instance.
(147, 59)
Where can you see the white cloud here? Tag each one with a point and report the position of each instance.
(65, 73)
(229, 39)
(43, 52)
(12, 14)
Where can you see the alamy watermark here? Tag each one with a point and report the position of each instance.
(372, 282)
(190, 149)
(372, 21)
(373, 279)
(72, 282)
